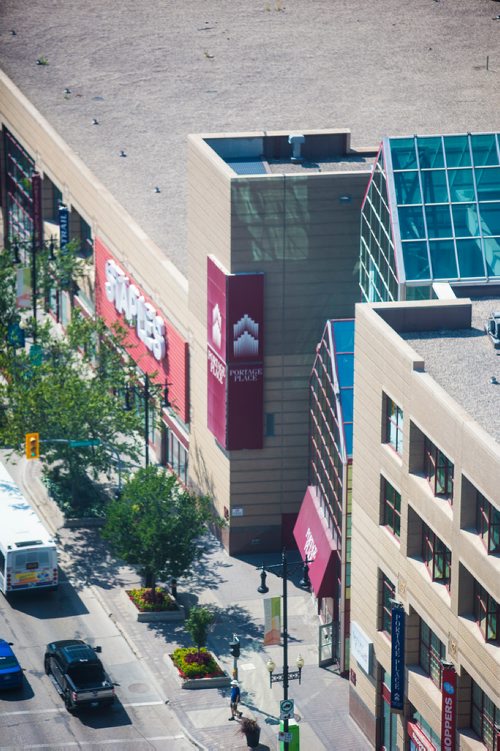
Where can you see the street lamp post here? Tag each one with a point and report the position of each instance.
(282, 570)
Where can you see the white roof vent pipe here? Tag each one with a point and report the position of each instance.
(296, 140)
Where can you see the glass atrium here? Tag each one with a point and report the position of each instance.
(431, 214)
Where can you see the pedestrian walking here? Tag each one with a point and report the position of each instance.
(234, 700)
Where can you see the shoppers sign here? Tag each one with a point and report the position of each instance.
(448, 708)
(235, 353)
(398, 658)
(151, 340)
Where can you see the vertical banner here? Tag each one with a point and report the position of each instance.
(235, 355)
(272, 620)
(398, 658)
(63, 225)
(36, 187)
(448, 707)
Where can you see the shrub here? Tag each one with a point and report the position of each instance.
(146, 602)
(194, 663)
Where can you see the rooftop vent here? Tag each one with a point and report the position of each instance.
(492, 328)
(296, 140)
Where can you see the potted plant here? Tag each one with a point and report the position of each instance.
(251, 730)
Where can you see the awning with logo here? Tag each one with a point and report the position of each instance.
(314, 539)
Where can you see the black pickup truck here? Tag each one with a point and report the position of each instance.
(78, 674)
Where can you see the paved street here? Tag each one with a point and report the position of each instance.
(154, 711)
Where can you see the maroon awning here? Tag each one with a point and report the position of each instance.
(313, 539)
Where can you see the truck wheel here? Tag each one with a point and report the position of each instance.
(46, 665)
(67, 703)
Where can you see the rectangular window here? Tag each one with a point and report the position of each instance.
(487, 612)
(393, 425)
(436, 556)
(177, 456)
(388, 729)
(391, 504)
(388, 595)
(432, 652)
(488, 524)
(438, 470)
(485, 717)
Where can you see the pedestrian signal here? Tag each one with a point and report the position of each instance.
(32, 445)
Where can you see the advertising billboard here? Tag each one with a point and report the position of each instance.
(151, 340)
(235, 354)
(448, 708)
(398, 658)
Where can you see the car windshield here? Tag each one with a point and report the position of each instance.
(86, 675)
(7, 661)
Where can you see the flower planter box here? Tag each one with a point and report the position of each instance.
(219, 681)
(159, 616)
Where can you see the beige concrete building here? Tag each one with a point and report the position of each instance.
(426, 526)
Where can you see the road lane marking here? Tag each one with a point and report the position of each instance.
(88, 744)
(63, 709)
(142, 703)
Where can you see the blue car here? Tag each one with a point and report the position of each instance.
(11, 673)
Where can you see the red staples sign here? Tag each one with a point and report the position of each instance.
(151, 340)
(235, 353)
(448, 708)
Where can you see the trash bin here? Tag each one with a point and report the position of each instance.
(294, 729)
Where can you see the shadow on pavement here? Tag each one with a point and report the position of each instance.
(90, 561)
(62, 603)
(110, 717)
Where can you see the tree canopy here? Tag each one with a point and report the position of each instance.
(156, 524)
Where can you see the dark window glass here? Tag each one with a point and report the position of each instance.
(488, 524)
(485, 717)
(487, 612)
(391, 500)
(436, 556)
(394, 425)
(388, 594)
(432, 652)
(439, 470)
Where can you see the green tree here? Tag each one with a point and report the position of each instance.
(9, 314)
(72, 390)
(198, 624)
(156, 524)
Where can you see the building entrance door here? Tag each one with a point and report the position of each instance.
(328, 645)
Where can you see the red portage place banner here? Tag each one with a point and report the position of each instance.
(448, 708)
(235, 354)
(152, 342)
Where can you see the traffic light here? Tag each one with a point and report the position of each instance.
(234, 647)
(32, 445)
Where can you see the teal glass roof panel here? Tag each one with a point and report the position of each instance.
(456, 149)
(488, 184)
(343, 363)
(461, 185)
(484, 149)
(470, 259)
(411, 222)
(490, 218)
(434, 186)
(492, 255)
(403, 153)
(407, 186)
(247, 166)
(416, 260)
(344, 337)
(430, 152)
(444, 263)
(465, 220)
(438, 220)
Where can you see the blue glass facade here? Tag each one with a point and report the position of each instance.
(431, 213)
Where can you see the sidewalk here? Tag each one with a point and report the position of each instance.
(229, 587)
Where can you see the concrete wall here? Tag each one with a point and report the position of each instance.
(295, 230)
(384, 363)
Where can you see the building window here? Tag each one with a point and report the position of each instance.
(485, 717)
(177, 456)
(488, 524)
(439, 470)
(432, 652)
(391, 501)
(487, 612)
(388, 727)
(388, 595)
(437, 557)
(393, 425)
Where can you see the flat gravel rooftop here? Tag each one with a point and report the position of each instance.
(463, 363)
(153, 72)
